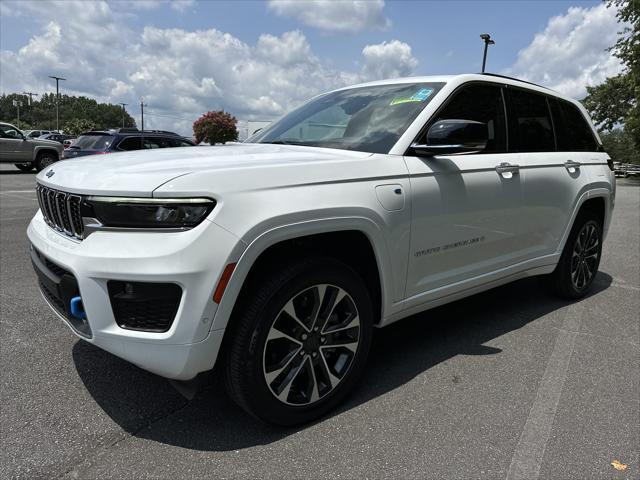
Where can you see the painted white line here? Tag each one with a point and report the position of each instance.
(529, 453)
(18, 191)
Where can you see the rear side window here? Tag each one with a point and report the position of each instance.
(573, 133)
(532, 122)
(482, 103)
(130, 143)
(93, 142)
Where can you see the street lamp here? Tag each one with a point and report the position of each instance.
(57, 79)
(123, 112)
(487, 41)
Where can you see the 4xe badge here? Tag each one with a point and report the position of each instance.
(50, 173)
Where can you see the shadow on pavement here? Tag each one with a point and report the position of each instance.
(147, 406)
(17, 172)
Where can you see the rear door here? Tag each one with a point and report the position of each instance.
(544, 139)
(466, 209)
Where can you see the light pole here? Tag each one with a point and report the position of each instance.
(57, 79)
(31, 95)
(123, 112)
(487, 41)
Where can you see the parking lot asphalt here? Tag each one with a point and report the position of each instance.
(511, 383)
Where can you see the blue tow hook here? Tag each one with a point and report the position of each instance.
(77, 308)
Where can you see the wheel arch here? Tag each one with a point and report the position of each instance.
(40, 149)
(266, 248)
(597, 200)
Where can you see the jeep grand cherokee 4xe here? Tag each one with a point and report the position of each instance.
(275, 259)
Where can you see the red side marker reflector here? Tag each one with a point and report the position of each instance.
(222, 284)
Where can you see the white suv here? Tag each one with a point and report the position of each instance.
(276, 258)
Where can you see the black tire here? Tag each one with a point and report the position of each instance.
(24, 167)
(562, 280)
(261, 305)
(44, 160)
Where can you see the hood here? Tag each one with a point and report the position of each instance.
(44, 141)
(139, 173)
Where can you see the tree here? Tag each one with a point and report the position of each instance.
(619, 145)
(41, 114)
(77, 126)
(215, 127)
(614, 104)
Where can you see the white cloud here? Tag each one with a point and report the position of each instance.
(182, 74)
(388, 60)
(571, 52)
(332, 15)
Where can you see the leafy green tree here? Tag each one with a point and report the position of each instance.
(619, 146)
(614, 103)
(78, 125)
(216, 127)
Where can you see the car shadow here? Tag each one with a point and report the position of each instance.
(147, 406)
(17, 172)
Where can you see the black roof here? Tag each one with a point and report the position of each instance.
(511, 78)
(131, 132)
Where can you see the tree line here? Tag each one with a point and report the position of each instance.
(74, 113)
(614, 103)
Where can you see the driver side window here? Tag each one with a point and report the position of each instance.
(481, 103)
(9, 132)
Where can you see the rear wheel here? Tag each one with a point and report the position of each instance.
(44, 160)
(24, 167)
(580, 258)
(300, 342)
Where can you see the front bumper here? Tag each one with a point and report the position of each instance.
(193, 259)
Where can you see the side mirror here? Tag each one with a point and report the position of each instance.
(454, 136)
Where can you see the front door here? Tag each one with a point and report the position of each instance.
(466, 209)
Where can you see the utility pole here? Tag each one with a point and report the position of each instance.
(31, 95)
(57, 79)
(123, 112)
(142, 105)
(487, 41)
(18, 104)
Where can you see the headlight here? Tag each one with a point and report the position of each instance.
(177, 213)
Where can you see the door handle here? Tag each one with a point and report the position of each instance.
(572, 166)
(507, 170)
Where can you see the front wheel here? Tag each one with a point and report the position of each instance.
(300, 342)
(580, 258)
(44, 160)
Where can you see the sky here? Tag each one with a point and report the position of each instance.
(258, 60)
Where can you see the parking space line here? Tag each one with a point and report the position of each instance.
(529, 453)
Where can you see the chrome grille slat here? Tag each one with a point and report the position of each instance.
(61, 211)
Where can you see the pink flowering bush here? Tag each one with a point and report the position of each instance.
(215, 127)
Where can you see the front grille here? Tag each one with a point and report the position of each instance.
(61, 211)
(150, 307)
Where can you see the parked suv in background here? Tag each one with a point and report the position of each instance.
(26, 153)
(37, 133)
(276, 258)
(123, 140)
(58, 137)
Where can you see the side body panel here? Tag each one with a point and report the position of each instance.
(466, 219)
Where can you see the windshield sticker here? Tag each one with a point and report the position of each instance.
(420, 96)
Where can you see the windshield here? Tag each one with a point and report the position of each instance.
(367, 119)
(93, 142)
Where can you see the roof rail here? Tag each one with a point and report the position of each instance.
(127, 130)
(512, 78)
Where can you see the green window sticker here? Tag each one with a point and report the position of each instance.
(420, 96)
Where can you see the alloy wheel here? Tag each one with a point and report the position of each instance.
(584, 258)
(311, 345)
